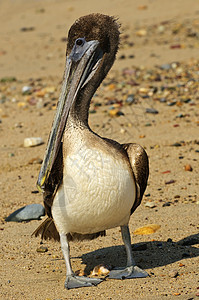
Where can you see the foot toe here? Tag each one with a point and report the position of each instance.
(127, 273)
(73, 282)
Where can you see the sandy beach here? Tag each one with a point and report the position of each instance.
(150, 97)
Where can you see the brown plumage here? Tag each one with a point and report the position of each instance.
(78, 195)
(140, 165)
(106, 30)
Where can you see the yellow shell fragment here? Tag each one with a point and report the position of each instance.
(40, 93)
(21, 104)
(149, 229)
(141, 32)
(49, 89)
(113, 112)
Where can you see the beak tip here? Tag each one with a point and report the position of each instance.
(40, 184)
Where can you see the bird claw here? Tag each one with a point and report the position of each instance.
(127, 273)
(73, 282)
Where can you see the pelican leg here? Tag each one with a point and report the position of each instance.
(73, 281)
(131, 270)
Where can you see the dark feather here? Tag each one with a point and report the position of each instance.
(140, 166)
(54, 181)
(48, 231)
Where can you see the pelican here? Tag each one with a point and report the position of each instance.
(89, 183)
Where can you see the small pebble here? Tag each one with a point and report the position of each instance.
(169, 240)
(165, 67)
(92, 111)
(35, 160)
(80, 273)
(35, 192)
(26, 89)
(180, 116)
(166, 172)
(152, 111)
(114, 112)
(176, 145)
(170, 181)
(150, 204)
(166, 204)
(42, 249)
(8, 79)
(173, 273)
(24, 29)
(130, 99)
(142, 7)
(40, 103)
(161, 29)
(11, 154)
(33, 141)
(122, 56)
(188, 168)
(18, 125)
(171, 103)
(141, 32)
(147, 195)
(176, 46)
(22, 104)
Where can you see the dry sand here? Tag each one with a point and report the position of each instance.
(32, 50)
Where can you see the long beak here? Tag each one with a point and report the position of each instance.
(81, 65)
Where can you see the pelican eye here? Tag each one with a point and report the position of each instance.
(80, 42)
(81, 46)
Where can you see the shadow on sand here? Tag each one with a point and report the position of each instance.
(148, 255)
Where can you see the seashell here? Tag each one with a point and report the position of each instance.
(149, 229)
(100, 270)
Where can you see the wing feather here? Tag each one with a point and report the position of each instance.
(140, 165)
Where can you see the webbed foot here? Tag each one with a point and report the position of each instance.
(127, 273)
(73, 282)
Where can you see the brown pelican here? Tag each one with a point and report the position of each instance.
(89, 183)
